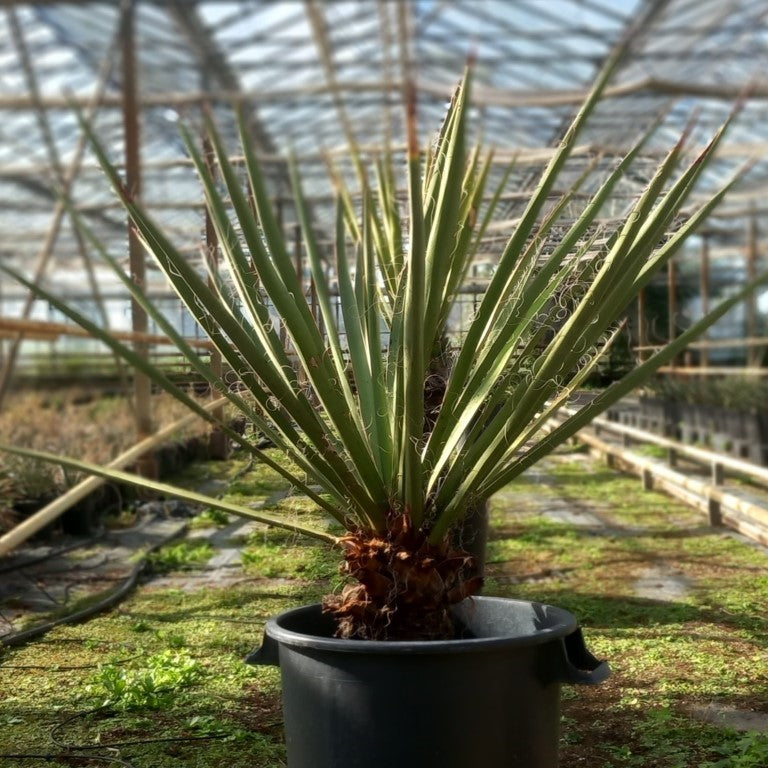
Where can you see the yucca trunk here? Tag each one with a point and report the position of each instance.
(402, 587)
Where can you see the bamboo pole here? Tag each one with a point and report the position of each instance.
(57, 507)
(218, 443)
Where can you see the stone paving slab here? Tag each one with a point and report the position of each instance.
(661, 581)
(726, 716)
(40, 579)
(225, 558)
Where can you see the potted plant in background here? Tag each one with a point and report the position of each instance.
(402, 668)
(729, 414)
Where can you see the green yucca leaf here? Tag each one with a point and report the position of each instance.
(169, 490)
(312, 441)
(615, 392)
(443, 219)
(345, 400)
(412, 365)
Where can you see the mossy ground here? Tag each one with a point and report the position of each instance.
(102, 686)
(705, 650)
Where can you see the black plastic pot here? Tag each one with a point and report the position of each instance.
(488, 699)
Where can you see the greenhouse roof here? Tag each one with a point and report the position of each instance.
(315, 76)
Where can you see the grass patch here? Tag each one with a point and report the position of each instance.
(180, 554)
(651, 451)
(670, 659)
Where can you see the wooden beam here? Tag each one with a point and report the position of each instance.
(672, 303)
(721, 370)
(37, 329)
(482, 95)
(142, 387)
(753, 341)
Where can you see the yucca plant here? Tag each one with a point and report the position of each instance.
(352, 403)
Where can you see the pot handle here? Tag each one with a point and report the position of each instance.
(268, 655)
(579, 665)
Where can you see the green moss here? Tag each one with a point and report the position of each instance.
(77, 668)
(211, 518)
(264, 558)
(180, 554)
(652, 451)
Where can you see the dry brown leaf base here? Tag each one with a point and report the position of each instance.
(403, 586)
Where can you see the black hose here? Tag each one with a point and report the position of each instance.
(67, 757)
(20, 638)
(53, 554)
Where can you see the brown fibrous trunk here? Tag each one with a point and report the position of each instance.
(401, 586)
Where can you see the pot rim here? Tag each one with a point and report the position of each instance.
(560, 624)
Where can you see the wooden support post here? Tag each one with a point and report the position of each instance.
(714, 512)
(704, 290)
(642, 326)
(142, 386)
(672, 457)
(314, 307)
(672, 303)
(753, 353)
(218, 442)
(298, 255)
(647, 478)
(718, 473)
(626, 440)
(2, 340)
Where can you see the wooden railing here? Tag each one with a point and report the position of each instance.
(742, 508)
